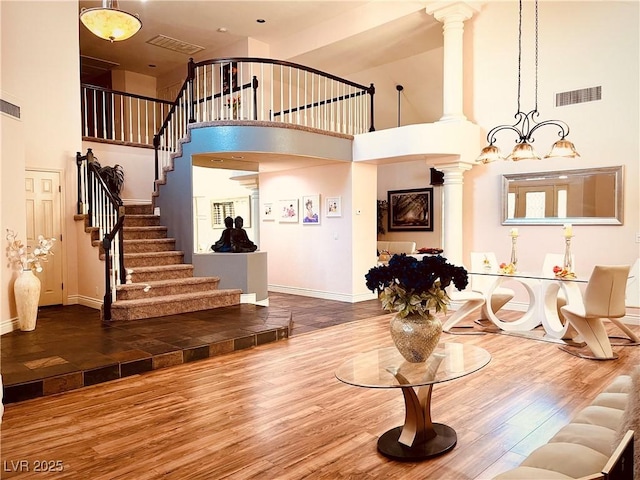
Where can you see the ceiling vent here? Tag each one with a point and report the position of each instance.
(590, 94)
(9, 108)
(175, 45)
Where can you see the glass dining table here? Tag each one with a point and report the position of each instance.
(419, 437)
(542, 309)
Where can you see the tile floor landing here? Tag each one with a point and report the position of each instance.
(71, 348)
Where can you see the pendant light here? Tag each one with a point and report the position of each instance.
(109, 22)
(526, 124)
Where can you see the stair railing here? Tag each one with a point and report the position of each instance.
(121, 117)
(105, 212)
(262, 89)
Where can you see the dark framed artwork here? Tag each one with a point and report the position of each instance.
(229, 77)
(410, 210)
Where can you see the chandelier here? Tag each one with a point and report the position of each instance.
(109, 22)
(526, 124)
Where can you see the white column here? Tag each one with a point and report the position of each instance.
(452, 16)
(452, 231)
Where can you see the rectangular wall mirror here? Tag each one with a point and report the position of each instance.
(589, 196)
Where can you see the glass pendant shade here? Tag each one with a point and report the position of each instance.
(110, 23)
(489, 154)
(523, 151)
(563, 148)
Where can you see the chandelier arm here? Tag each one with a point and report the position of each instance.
(564, 128)
(491, 136)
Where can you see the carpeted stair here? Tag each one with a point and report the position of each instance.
(161, 283)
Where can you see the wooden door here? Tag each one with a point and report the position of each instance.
(43, 197)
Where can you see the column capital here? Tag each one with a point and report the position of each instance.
(452, 11)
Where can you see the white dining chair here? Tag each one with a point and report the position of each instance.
(471, 303)
(487, 262)
(604, 298)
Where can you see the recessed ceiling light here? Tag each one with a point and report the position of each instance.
(237, 157)
(261, 20)
(222, 30)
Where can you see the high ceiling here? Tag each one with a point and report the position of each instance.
(304, 31)
(373, 41)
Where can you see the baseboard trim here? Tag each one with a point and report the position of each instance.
(85, 302)
(306, 292)
(9, 325)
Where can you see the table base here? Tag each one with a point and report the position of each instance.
(444, 441)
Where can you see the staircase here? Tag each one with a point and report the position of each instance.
(161, 284)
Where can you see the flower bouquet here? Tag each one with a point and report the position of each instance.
(561, 272)
(21, 258)
(413, 289)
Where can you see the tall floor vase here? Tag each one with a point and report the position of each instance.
(27, 292)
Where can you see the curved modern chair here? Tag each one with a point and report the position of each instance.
(500, 296)
(472, 303)
(604, 298)
(474, 297)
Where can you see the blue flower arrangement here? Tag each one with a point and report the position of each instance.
(409, 286)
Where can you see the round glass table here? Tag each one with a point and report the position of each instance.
(419, 437)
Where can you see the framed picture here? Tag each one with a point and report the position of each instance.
(229, 80)
(268, 213)
(311, 210)
(334, 206)
(288, 211)
(410, 210)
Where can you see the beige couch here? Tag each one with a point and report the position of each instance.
(590, 442)
(396, 247)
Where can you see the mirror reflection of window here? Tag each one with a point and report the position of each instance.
(562, 203)
(511, 205)
(535, 205)
(587, 196)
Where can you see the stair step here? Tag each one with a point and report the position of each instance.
(150, 259)
(144, 245)
(141, 220)
(163, 272)
(157, 288)
(136, 233)
(173, 304)
(138, 209)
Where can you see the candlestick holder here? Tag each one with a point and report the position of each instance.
(514, 253)
(567, 263)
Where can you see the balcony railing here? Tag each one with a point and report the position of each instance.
(266, 90)
(121, 117)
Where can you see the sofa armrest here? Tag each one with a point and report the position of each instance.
(620, 464)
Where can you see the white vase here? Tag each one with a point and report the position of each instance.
(416, 336)
(27, 292)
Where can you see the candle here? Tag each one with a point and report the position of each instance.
(568, 230)
(514, 232)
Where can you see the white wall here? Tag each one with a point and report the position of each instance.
(577, 50)
(307, 259)
(40, 65)
(138, 165)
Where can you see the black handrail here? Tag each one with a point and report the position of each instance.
(91, 179)
(124, 94)
(106, 245)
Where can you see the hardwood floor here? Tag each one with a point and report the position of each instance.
(277, 411)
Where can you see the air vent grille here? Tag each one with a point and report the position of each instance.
(590, 94)
(179, 46)
(9, 108)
